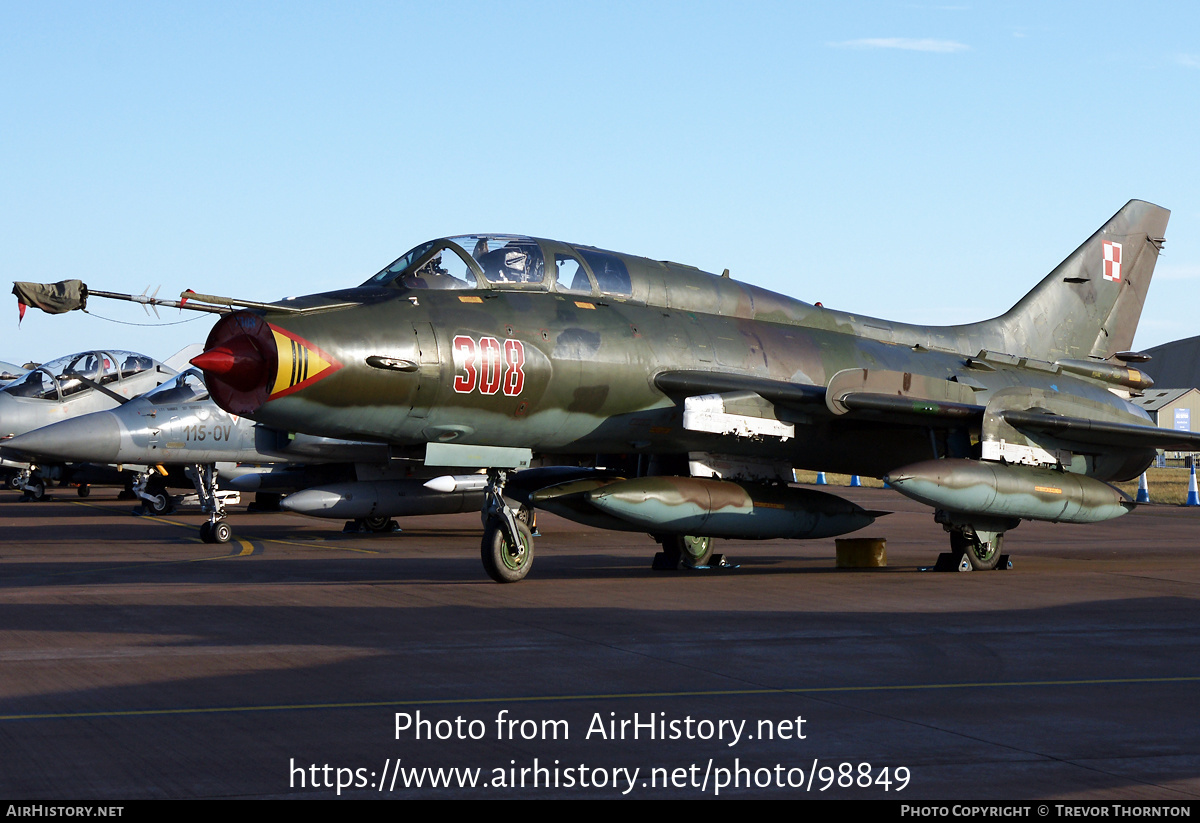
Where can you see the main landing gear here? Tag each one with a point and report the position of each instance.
(371, 525)
(507, 548)
(682, 551)
(976, 543)
(152, 491)
(31, 483)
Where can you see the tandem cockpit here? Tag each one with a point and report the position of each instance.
(67, 376)
(498, 261)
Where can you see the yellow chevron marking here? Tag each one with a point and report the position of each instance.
(297, 363)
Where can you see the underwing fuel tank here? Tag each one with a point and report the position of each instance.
(1004, 490)
(382, 498)
(721, 508)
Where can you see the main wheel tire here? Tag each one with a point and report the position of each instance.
(221, 532)
(378, 524)
(686, 550)
(157, 503)
(984, 556)
(503, 562)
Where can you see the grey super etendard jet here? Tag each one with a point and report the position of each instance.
(176, 430)
(704, 392)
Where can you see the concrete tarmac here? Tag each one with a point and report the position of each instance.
(138, 662)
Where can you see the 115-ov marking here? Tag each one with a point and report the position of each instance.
(488, 365)
(200, 432)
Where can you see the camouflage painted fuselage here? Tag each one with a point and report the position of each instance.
(528, 365)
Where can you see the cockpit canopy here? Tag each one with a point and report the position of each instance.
(502, 261)
(74, 373)
(185, 387)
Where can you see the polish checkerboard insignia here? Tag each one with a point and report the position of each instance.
(1112, 261)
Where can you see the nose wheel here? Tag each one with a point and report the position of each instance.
(507, 547)
(216, 532)
(504, 559)
(215, 529)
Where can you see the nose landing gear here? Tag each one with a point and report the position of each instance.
(507, 547)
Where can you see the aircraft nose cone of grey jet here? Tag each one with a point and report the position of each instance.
(14, 419)
(92, 438)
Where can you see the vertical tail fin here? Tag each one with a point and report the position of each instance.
(1090, 304)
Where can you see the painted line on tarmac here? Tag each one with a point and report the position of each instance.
(247, 547)
(570, 698)
(244, 549)
(328, 546)
(153, 517)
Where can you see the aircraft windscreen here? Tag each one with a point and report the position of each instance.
(439, 264)
(187, 387)
(38, 384)
(445, 264)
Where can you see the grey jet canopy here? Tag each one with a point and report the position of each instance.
(66, 376)
(76, 384)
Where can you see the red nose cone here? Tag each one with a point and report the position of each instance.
(239, 361)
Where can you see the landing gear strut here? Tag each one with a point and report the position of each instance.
(215, 529)
(150, 489)
(31, 483)
(507, 548)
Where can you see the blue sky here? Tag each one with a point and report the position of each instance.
(919, 162)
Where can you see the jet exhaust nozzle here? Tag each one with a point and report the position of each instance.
(240, 360)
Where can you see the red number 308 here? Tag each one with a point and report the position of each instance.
(479, 365)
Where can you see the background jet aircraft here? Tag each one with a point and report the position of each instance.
(176, 425)
(64, 388)
(481, 350)
(10, 372)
